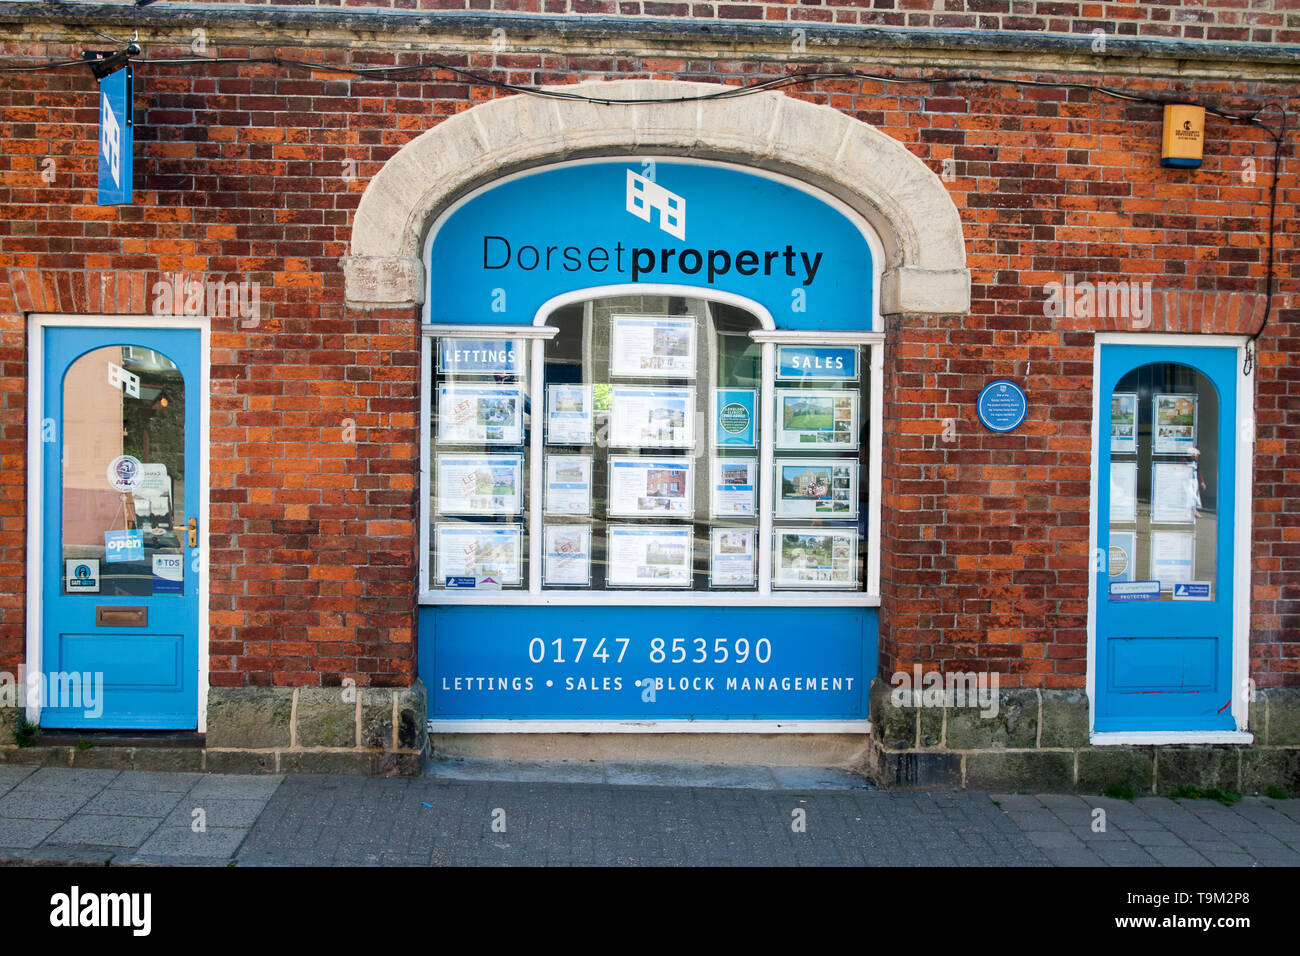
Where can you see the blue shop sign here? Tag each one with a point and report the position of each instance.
(1001, 406)
(648, 663)
(481, 357)
(507, 251)
(116, 137)
(815, 362)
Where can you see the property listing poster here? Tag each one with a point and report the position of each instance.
(734, 488)
(479, 484)
(470, 414)
(731, 558)
(487, 554)
(816, 487)
(568, 485)
(649, 557)
(652, 345)
(1173, 492)
(568, 555)
(651, 417)
(813, 419)
(648, 487)
(1173, 557)
(1123, 491)
(1123, 422)
(568, 415)
(1173, 427)
(804, 557)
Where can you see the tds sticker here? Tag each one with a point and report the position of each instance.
(81, 575)
(168, 574)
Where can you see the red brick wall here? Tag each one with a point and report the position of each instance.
(240, 173)
(1260, 21)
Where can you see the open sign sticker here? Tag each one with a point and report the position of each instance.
(123, 546)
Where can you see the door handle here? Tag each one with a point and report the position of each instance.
(194, 532)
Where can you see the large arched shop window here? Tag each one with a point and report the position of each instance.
(654, 458)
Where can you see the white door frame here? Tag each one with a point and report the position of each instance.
(1242, 529)
(37, 323)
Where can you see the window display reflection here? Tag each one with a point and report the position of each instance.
(1164, 467)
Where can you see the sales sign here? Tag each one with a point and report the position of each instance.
(116, 137)
(814, 362)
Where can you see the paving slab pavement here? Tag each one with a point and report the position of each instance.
(468, 813)
(126, 816)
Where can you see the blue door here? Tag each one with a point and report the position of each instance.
(120, 589)
(1165, 518)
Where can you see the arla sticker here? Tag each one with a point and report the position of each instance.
(168, 574)
(81, 575)
(123, 546)
(125, 473)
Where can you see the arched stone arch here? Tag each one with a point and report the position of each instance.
(925, 269)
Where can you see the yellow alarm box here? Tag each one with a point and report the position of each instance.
(1184, 136)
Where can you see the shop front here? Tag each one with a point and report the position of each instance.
(651, 457)
(652, 419)
(652, 432)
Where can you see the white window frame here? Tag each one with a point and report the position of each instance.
(769, 338)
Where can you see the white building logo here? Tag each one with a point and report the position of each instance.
(644, 194)
(110, 137)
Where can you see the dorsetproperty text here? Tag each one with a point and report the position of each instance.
(498, 253)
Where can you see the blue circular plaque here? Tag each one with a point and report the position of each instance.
(1001, 406)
